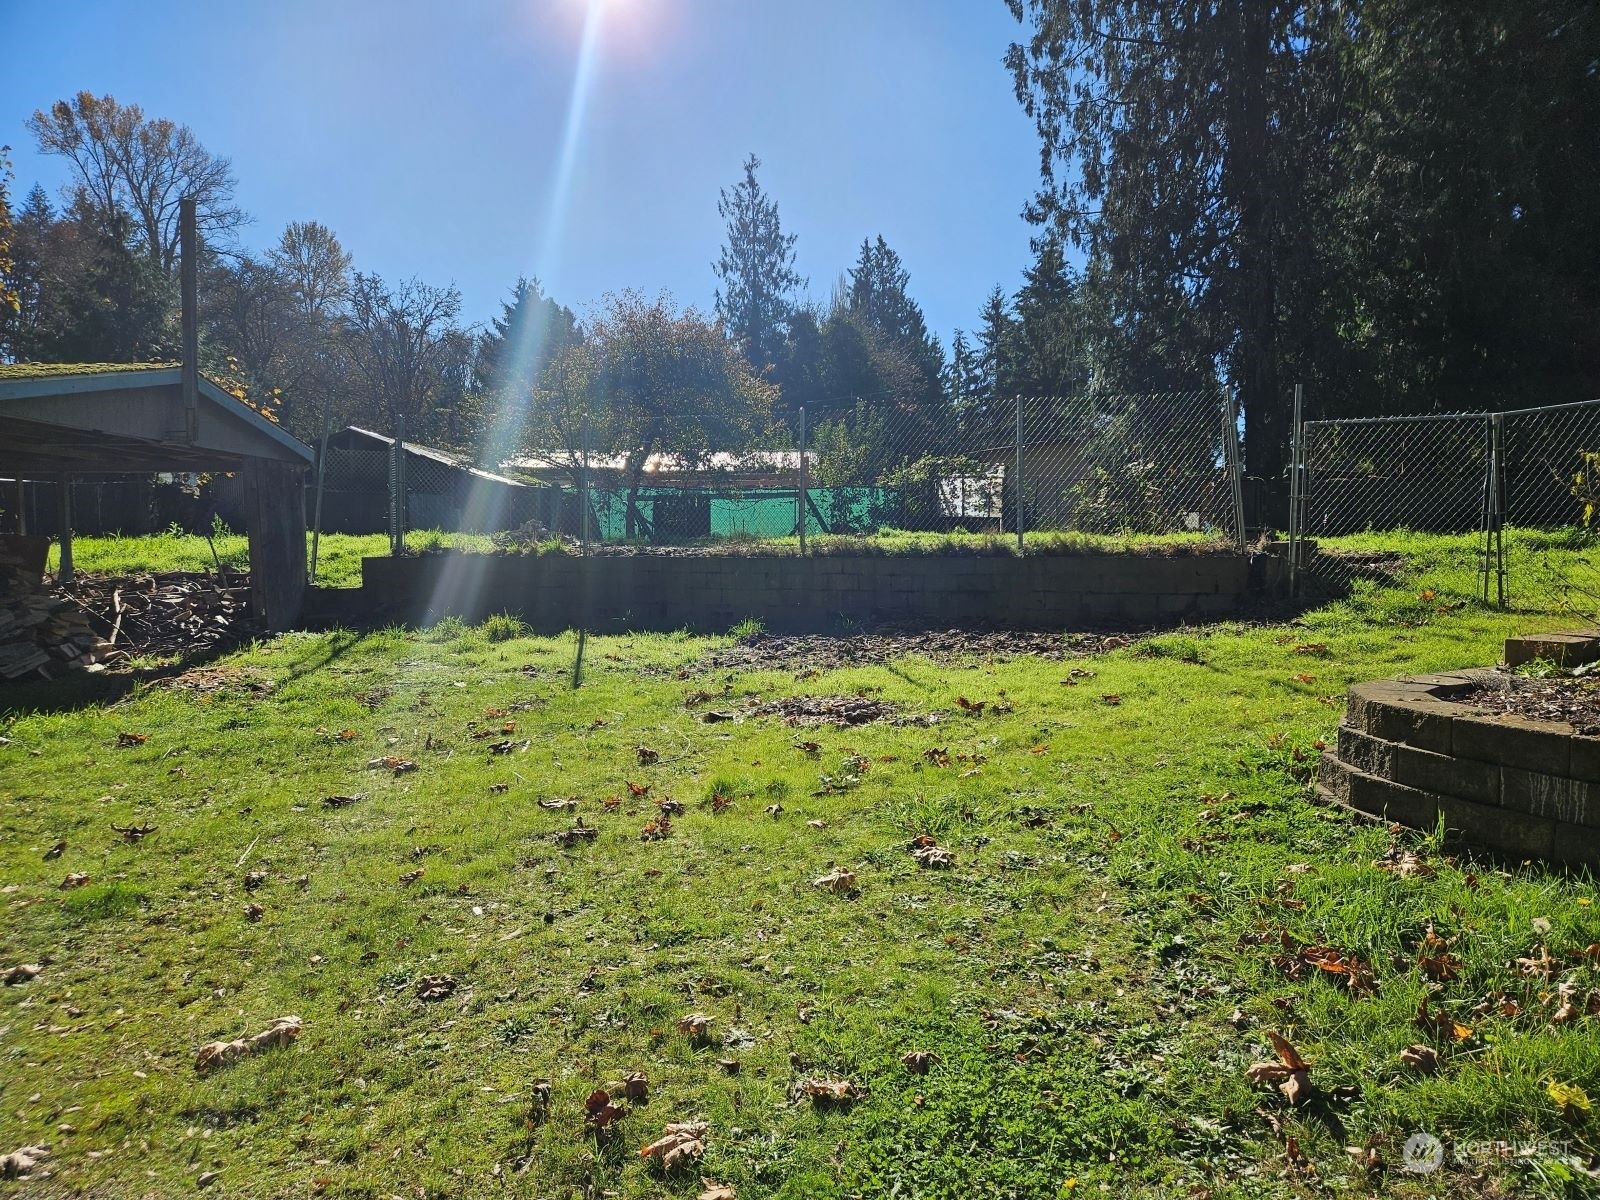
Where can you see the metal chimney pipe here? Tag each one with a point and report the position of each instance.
(188, 280)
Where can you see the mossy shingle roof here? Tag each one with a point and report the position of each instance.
(55, 370)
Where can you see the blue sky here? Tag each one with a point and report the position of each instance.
(430, 136)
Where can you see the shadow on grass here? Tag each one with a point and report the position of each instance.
(78, 689)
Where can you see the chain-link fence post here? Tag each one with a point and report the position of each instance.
(322, 476)
(1297, 488)
(800, 485)
(1493, 512)
(1233, 462)
(397, 489)
(1019, 476)
(583, 489)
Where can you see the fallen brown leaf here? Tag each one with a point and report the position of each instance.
(716, 1191)
(133, 833)
(56, 851)
(841, 879)
(695, 1024)
(1420, 1058)
(633, 1086)
(126, 740)
(599, 1112)
(281, 1032)
(435, 987)
(75, 880)
(830, 1091)
(21, 973)
(680, 1142)
(412, 876)
(918, 1061)
(22, 1160)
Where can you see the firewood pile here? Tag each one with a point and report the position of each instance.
(100, 621)
(42, 634)
(168, 613)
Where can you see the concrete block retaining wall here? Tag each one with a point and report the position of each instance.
(1408, 752)
(793, 594)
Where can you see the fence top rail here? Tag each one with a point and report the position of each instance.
(1545, 408)
(1485, 415)
(1404, 419)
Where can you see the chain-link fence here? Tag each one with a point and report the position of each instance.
(1161, 465)
(1506, 481)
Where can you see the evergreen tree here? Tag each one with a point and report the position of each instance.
(756, 269)
(531, 330)
(997, 348)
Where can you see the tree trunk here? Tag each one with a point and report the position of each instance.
(1255, 292)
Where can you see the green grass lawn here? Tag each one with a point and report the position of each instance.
(1093, 975)
(339, 555)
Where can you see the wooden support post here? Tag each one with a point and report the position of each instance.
(22, 506)
(64, 517)
(275, 502)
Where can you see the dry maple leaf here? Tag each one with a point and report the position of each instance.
(55, 851)
(918, 1061)
(633, 1086)
(774, 809)
(566, 805)
(840, 879)
(21, 973)
(212, 1055)
(680, 1142)
(126, 740)
(695, 1024)
(435, 987)
(567, 838)
(638, 789)
(716, 1191)
(411, 877)
(930, 855)
(657, 830)
(1420, 1058)
(1291, 1073)
(1441, 1024)
(671, 808)
(75, 880)
(254, 880)
(720, 803)
(975, 707)
(342, 801)
(1111, 698)
(816, 824)
(22, 1160)
(133, 833)
(254, 913)
(830, 1091)
(646, 755)
(599, 1112)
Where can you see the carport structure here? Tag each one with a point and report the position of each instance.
(58, 422)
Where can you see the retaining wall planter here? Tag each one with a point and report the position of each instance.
(1409, 751)
(794, 594)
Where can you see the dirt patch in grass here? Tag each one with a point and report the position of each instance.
(841, 711)
(820, 652)
(1573, 701)
(205, 681)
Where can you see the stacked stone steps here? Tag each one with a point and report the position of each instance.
(1408, 752)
